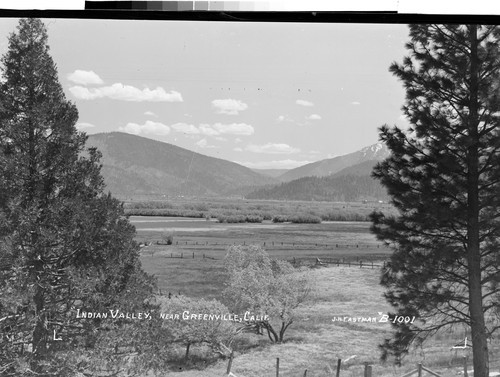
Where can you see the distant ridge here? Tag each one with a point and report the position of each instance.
(135, 166)
(343, 178)
(331, 166)
(334, 188)
(271, 172)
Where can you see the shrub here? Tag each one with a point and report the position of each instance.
(305, 219)
(279, 219)
(168, 239)
(253, 219)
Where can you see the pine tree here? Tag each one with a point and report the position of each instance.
(64, 243)
(443, 176)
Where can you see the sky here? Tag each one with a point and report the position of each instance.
(265, 95)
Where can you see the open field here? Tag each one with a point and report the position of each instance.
(195, 275)
(314, 341)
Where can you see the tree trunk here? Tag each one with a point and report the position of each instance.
(271, 333)
(284, 326)
(187, 352)
(479, 338)
(39, 344)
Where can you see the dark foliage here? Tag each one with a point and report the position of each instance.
(343, 188)
(64, 243)
(443, 176)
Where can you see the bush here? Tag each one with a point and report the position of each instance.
(305, 219)
(231, 219)
(280, 219)
(239, 219)
(253, 219)
(168, 239)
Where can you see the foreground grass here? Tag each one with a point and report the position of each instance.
(315, 343)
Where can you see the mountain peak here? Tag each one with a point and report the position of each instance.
(375, 151)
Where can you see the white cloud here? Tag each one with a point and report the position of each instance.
(203, 143)
(238, 140)
(85, 77)
(150, 113)
(84, 126)
(148, 128)
(281, 118)
(273, 148)
(302, 102)
(185, 128)
(276, 164)
(122, 92)
(220, 138)
(237, 149)
(314, 117)
(234, 129)
(355, 103)
(229, 106)
(206, 129)
(215, 130)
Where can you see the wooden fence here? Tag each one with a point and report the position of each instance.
(368, 370)
(268, 244)
(296, 261)
(421, 368)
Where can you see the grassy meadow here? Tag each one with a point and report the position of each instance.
(252, 209)
(314, 342)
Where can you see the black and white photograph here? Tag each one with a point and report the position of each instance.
(249, 198)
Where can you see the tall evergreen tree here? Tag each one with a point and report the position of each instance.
(64, 243)
(444, 178)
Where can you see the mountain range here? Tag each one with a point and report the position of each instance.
(135, 166)
(330, 166)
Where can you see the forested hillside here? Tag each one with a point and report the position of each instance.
(331, 188)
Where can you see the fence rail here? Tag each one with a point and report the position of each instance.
(296, 261)
(267, 244)
(368, 369)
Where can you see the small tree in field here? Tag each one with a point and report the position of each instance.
(444, 178)
(270, 290)
(199, 321)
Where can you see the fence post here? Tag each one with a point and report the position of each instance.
(339, 362)
(419, 369)
(465, 367)
(368, 370)
(181, 255)
(360, 264)
(305, 373)
(230, 363)
(277, 367)
(193, 254)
